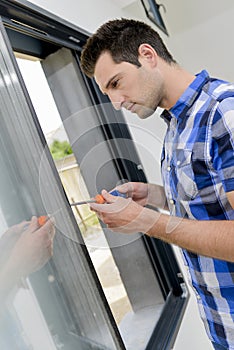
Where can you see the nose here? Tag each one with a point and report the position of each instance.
(116, 100)
(116, 105)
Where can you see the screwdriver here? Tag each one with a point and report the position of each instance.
(99, 198)
(42, 220)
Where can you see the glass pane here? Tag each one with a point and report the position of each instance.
(75, 187)
(61, 305)
(117, 259)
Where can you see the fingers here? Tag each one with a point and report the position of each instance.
(33, 225)
(34, 247)
(21, 227)
(48, 230)
(102, 207)
(109, 198)
(113, 204)
(46, 226)
(44, 234)
(18, 228)
(113, 214)
(126, 188)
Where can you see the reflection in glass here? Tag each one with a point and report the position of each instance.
(75, 188)
(61, 304)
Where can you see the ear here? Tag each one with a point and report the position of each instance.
(148, 54)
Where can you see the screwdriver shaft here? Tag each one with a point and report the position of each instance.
(84, 202)
(99, 198)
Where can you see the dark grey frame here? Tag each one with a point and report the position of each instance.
(152, 11)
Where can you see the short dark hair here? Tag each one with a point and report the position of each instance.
(121, 38)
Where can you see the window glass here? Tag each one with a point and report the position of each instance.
(116, 258)
(61, 305)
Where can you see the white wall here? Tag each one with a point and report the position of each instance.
(87, 14)
(200, 37)
(201, 33)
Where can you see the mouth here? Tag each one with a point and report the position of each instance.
(129, 106)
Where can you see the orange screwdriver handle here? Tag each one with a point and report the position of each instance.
(42, 220)
(99, 199)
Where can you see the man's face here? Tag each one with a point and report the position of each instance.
(128, 86)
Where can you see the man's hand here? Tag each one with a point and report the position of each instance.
(145, 194)
(124, 215)
(138, 191)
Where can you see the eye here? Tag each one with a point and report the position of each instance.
(114, 84)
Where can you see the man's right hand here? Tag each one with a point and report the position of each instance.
(145, 194)
(138, 191)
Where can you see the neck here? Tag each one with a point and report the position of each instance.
(176, 81)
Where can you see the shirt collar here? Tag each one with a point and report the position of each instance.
(187, 98)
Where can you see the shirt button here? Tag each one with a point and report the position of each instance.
(178, 162)
(168, 168)
(171, 201)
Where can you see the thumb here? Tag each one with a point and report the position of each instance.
(108, 197)
(126, 188)
(33, 225)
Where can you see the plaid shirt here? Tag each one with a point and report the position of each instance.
(197, 171)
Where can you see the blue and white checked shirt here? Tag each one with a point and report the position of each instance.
(197, 171)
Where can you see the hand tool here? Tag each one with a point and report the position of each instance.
(99, 198)
(42, 220)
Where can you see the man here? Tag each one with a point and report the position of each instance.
(131, 64)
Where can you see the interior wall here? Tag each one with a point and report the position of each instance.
(201, 35)
(199, 38)
(87, 14)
